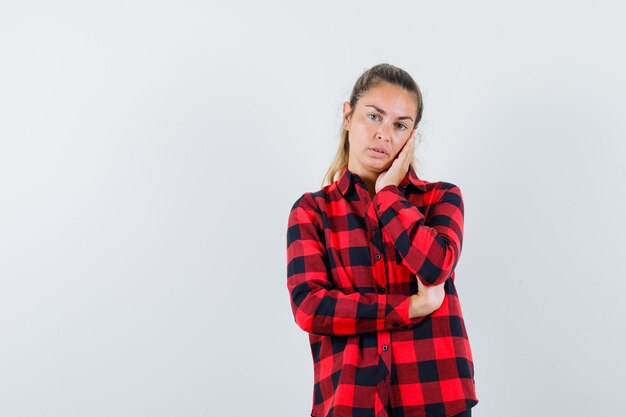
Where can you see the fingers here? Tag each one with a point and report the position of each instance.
(410, 145)
(408, 151)
(400, 165)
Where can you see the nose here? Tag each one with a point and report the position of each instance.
(383, 133)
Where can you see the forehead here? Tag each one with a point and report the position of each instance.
(391, 98)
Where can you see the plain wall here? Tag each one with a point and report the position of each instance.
(150, 153)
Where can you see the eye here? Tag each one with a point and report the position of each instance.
(402, 126)
(374, 115)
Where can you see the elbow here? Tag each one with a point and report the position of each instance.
(434, 272)
(311, 315)
(301, 305)
(311, 324)
(434, 275)
(304, 323)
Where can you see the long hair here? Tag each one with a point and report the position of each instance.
(370, 78)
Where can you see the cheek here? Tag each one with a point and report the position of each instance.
(359, 136)
(396, 151)
(362, 129)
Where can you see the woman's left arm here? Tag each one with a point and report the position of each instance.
(429, 251)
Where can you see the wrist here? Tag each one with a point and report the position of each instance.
(382, 186)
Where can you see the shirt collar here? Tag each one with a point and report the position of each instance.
(347, 177)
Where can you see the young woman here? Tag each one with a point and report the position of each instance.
(370, 268)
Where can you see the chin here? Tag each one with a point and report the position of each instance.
(380, 167)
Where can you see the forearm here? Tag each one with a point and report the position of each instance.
(320, 310)
(432, 250)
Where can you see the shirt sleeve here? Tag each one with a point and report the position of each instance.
(429, 251)
(318, 307)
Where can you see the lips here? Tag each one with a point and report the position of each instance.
(382, 151)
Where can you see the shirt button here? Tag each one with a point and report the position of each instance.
(377, 206)
(375, 228)
(396, 324)
(381, 290)
(377, 256)
(385, 347)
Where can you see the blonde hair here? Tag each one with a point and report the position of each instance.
(370, 78)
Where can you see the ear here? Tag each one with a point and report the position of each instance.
(346, 115)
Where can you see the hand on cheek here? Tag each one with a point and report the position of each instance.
(399, 166)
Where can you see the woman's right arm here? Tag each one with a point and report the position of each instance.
(320, 309)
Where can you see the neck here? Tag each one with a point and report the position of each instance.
(368, 177)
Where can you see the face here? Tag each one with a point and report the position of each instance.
(382, 121)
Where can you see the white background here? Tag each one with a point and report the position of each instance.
(150, 153)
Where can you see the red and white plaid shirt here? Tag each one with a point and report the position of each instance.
(352, 262)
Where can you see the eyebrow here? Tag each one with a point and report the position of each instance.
(383, 112)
